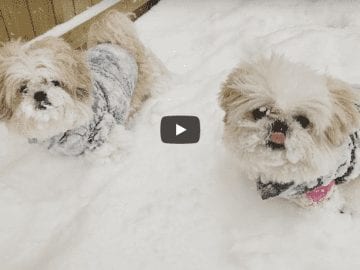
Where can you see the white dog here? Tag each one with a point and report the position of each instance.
(67, 99)
(294, 130)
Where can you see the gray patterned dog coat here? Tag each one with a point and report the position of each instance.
(114, 74)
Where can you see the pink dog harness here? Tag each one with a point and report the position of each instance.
(320, 193)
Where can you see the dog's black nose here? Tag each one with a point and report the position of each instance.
(40, 96)
(279, 126)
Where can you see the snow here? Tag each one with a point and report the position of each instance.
(164, 206)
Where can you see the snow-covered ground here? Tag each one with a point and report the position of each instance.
(159, 206)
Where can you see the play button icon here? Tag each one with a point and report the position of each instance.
(180, 129)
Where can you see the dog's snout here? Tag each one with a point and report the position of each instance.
(279, 126)
(40, 96)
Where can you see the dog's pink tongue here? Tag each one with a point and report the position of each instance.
(277, 137)
(319, 193)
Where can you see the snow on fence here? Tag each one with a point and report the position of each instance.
(30, 18)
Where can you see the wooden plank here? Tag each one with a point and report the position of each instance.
(81, 5)
(77, 37)
(132, 5)
(144, 8)
(3, 31)
(94, 2)
(42, 15)
(17, 18)
(63, 9)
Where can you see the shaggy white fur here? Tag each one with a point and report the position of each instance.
(47, 88)
(318, 113)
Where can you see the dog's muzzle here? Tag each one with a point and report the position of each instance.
(277, 135)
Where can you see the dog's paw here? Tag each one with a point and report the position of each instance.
(118, 145)
(346, 210)
(351, 194)
(336, 203)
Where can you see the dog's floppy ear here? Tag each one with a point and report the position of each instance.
(346, 115)
(6, 51)
(5, 111)
(228, 96)
(82, 87)
(231, 93)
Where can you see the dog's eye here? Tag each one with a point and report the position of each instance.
(55, 83)
(23, 89)
(259, 113)
(304, 121)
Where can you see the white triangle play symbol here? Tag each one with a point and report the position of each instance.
(179, 129)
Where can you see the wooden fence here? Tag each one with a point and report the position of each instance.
(30, 18)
